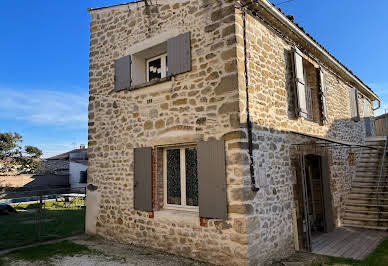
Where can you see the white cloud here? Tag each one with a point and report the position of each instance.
(45, 107)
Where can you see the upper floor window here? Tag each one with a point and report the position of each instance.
(150, 64)
(157, 67)
(310, 89)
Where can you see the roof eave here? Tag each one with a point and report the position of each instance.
(282, 18)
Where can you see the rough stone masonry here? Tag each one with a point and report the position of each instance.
(208, 102)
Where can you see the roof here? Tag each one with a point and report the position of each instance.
(66, 155)
(381, 116)
(123, 4)
(83, 162)
(289, 18)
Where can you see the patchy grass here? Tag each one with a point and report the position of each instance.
(46, 252)
(56, 222)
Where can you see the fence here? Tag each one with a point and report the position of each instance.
(38, 215)
(382, 125)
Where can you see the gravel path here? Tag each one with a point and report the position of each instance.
(107, 253)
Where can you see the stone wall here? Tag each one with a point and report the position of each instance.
(272, 111)
(208, 102)
(193, 106)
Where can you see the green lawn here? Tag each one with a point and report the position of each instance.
(57, 222)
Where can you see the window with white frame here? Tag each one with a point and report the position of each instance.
(157, 67)
(180, 178)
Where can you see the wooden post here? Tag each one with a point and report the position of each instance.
(295, 226)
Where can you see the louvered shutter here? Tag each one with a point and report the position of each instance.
(212, 179)
(179, 54)
(325, 117)
(301, 109)
(367, 120)
(354, 104)
(143, 179)
(123, 78)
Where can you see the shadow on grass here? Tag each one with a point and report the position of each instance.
(45, 252)
(22, 228)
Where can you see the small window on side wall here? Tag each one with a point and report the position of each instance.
(157, 67)
(83, 177)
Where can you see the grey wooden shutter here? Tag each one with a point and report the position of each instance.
(354, 104)
(325, 117)
(143, 179)
(327, 199)
(299, 83)
(123, 78)
(212, 179)
(367, 120)
(179, 54)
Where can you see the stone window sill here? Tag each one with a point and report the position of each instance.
(149, 83)
(178, 216)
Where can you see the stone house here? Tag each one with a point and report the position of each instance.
(203, 118)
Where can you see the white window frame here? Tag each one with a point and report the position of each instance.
(163, 60)
(183, 205)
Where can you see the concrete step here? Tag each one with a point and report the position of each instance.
(373, 220)
(365, 222)
(367, 207)
(366, 214)
(370, 180)
(381, 228)
(383, 201)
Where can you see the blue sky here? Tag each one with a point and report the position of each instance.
(44, 61)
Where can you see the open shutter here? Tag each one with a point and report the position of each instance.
(327, 199)
(123, 73)
(367, 120)
(212, 179)
(179, 54)
(301, 109)
(143, 179)
(354, 104)
(325, 117)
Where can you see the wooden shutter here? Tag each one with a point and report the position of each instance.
(354, 104)
(327, 198)
(142, 179)
(179, 54)
(301, 107)
(325, 117)
(212, 179)
(123, 73)
(367, 120)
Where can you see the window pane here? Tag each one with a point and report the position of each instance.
(191, 177)
(155, 69)
(174, 177)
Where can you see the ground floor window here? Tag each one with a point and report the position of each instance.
(180, 178)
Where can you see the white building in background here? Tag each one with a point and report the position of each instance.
(78, 168)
